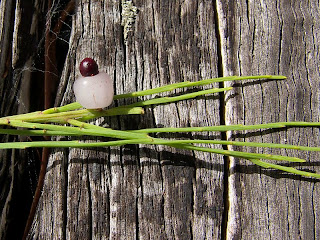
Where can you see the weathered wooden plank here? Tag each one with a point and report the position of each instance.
(17, 185)
(157, 192)
(272, 38)
(139, 192)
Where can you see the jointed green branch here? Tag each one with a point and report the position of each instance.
(224, 128)
(186, 84)
(183, 144)
(37, 124)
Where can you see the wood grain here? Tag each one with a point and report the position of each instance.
(140, 191)
(19, 39)
(274, 38)
(154, 192)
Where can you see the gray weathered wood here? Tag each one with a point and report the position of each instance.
(145, 192)
(19, 37)
(275, 38)
(162, 193)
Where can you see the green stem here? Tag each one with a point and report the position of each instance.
(96, 131)
(60, 114)
(89, 126)
(174, 86)
(224, 128)
(237, 153)
(177, 98)
(72, 144)
(72, 114)
(62, 117)
(65, 108)
(253, 157)
(155, 141)
(246, 144)
(114, 112)
(33, 133)
(284, 168)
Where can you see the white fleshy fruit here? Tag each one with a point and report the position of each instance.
(94, 92)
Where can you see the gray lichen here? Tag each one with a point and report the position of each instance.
(128, 14)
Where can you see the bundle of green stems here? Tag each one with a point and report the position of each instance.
(72, 120)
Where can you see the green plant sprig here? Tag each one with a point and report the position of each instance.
(186, 84)
(224, 128)
(183, 144)
(37, 124)
(62, 117)
(284, 168)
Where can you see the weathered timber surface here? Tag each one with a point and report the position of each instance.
(139, 191)
(19, 38)
(276, 37)
(162, 193)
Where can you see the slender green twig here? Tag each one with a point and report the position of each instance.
(34, 133)
(163, 100)
(62, 117)
(95, 131)
(65, 108)
(224, 128)
(193, 141)
(284, 168)
(183, 144)
(174, 86)
(37, 124)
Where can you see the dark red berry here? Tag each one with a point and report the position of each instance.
(88, 67)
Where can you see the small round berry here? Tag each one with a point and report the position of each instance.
(93, 90)
(88, 67)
